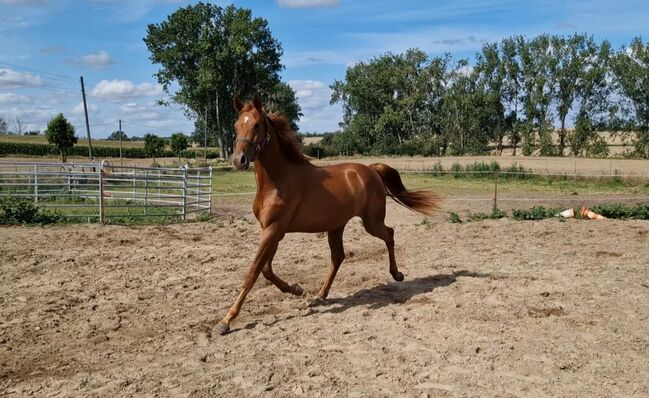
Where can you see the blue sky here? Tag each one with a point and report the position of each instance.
(45, 45)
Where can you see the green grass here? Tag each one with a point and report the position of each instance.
(449, 185)
(232, 181)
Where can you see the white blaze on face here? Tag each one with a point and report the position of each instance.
(245, 119)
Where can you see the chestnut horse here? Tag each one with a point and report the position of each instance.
(294, 195)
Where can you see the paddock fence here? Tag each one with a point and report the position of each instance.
(101, 192)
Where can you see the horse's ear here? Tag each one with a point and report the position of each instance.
(257, 102)
(238, 105)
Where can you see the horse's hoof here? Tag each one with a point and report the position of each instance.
(398, 276)
(297, 289)
(222, 329)
(316, 302)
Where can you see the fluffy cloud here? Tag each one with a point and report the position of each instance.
(78, 109)
(13, 79)
(140, 112)
(98, 60)
(307, 3)
(13, 99)
(313, 97)
(122, 89)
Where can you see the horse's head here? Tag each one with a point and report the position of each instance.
(252, 132)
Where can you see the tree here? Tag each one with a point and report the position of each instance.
(115, 136)
(153, 145)
(512, 87)
(178, 143)
(283, 100)
(212, 54)
(4, 128)
(631, 68)
(538, 67)
(61, 133)
(18, 125)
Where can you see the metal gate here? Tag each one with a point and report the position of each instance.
(102, 192)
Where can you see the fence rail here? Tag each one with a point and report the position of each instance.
(101, 192)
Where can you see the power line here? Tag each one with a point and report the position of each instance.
(46, 74)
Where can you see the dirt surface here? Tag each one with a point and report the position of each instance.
(494, 308)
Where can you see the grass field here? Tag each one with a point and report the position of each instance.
(230, 182)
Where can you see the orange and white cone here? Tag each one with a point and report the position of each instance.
(585, 213)
(569, 213)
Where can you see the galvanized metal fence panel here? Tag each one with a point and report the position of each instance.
(102, 191)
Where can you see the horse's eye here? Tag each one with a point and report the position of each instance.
(256, 126)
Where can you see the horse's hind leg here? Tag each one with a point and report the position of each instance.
(268, 273)
(375, 227)
(337, 257)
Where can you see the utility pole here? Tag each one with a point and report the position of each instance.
(218, 119)
(121, 162)
(85, 111)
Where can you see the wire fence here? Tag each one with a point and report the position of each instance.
(102, 192)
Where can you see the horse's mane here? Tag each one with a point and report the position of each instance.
(289, 145)
(288, 142)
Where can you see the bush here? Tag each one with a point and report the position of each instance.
(639, 211)
(23, 211)
(20, 148)
(535, 213)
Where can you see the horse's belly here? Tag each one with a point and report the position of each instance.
(322, 216)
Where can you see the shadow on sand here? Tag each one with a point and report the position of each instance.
(378, 296)
(393, 293)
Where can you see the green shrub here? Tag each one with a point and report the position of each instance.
(437, 169)
(24, 211)
(454, 218)
(24, 148)
(535, 213)
(496, 214)
(639, 211)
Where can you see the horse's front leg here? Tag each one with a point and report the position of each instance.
(270, 238)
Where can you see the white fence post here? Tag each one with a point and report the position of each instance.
(36, 183)
(146, 191)
(210, 191)
(184, 192)
(101, 192)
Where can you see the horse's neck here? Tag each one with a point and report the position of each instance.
(271, 167)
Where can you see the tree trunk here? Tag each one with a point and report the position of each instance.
(562, 135)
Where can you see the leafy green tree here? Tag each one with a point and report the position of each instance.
(512, 90)
(61, 133)
(4, 127)
(178, 143)
(212, 54)
(153, 145)
(282, 99)
(631, 68)
(538, 67)
(115, 136)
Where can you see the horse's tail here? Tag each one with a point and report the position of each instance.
(424, 202)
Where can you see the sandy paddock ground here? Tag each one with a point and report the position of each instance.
(493, 308)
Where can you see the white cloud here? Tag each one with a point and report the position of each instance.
(140, 112)
(122, 89)
(313, 97)
(307, 3)
(78, 109)
(13, 99)
(13, 79)
(98, 60)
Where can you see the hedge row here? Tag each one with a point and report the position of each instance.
(20, 148)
